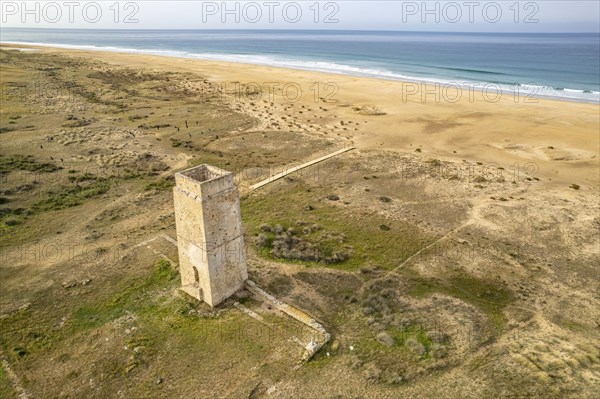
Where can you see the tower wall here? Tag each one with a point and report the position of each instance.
(212, 258)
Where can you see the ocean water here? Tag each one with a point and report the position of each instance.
(565, 66)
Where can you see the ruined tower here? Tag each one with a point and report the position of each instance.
(212, 258)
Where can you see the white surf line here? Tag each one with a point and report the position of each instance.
(296, 168)
(13, 377)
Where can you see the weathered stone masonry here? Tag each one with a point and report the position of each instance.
(212, 258)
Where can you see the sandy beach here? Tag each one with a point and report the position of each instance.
(456, 238)
(560, 137)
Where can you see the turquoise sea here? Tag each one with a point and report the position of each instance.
(565, 66)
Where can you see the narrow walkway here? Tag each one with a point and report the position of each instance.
(315, 344)
(310, 349)
(296, 168)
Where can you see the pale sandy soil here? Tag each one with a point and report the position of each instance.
(460, 219)
(560, 137)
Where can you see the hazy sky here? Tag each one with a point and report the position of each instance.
(445, 15)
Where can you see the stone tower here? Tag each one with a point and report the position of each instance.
(212, 258)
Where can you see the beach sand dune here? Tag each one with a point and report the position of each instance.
(452, 253)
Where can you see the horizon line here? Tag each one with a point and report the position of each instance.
(302, 30)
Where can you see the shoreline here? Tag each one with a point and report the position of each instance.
(559, 137)
(456, 225)
(478, 87)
